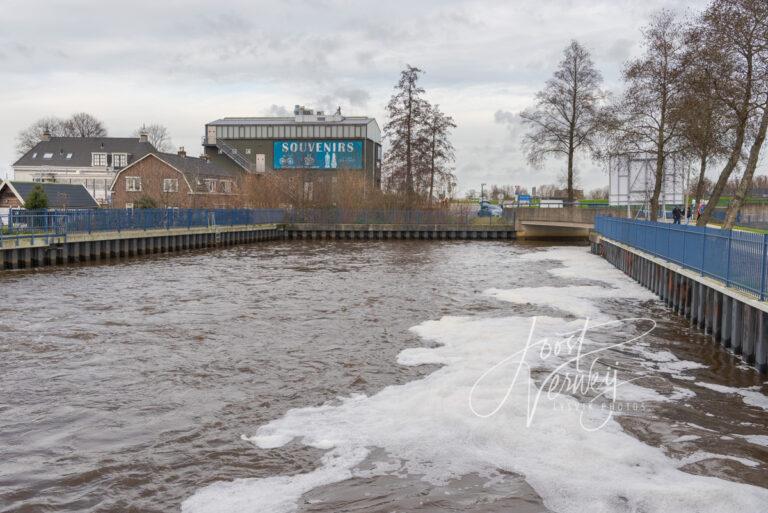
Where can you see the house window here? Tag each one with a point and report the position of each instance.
(171, 185)
(119, 159)
(133, 183)
(129, 206)
(47, 155)
(98, 159)
(247, 151)
(226, 186)
(69, 156)
(210, 185)
(34, 155)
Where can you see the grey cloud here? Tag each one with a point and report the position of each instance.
(620, 50)
(355, 97)
(278, 110)
(264, 56)
(504, 116)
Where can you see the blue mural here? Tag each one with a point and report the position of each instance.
(320, 154)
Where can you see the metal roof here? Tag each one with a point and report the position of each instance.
(247, 121)
(79, 150)
(60, 195)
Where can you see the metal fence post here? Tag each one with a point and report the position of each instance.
(728, 260)
(762, 267)
(703, 252)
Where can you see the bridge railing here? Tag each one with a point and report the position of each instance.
(736, 258)
(25, 222)
(334, 216)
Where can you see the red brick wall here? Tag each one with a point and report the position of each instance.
(152, 172)
(8, 199)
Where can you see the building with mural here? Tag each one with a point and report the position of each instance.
(310, 147)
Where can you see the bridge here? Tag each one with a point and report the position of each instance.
(556, 223)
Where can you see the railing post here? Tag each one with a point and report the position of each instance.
(762, 267)
(728, 260)
(703, 252)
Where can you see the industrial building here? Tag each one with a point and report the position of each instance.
(309, 146)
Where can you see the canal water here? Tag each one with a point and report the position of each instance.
(368, 377)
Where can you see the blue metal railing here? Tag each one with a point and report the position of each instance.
(735, 257)
(18, 224)
(438, 216)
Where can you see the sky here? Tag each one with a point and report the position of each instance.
(185, 63)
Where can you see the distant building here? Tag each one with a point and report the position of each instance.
(174, 180)
(88, 161)
(14, 193)
(310, 146)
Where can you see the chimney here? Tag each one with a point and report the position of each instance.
(143, 137)
(204, 157)
(46, 136)
(182, 153)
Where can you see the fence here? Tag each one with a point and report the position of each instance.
(461, 217)
(735, 257)
(28, 223)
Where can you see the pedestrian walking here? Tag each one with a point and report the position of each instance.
(688, 213)
(676, 214)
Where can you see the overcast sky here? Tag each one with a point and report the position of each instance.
(184, 63)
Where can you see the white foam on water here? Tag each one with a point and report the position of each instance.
(756, 439)
(441, 428)
(751, 396)
(703, 456)
(686, 438)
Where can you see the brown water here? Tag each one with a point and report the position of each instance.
(127, 387)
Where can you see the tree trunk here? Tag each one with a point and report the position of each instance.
(725, 174)
(657, 186)
(432, 170)
(749, 171)
(570, 175)
(700, 185)
(735, 156)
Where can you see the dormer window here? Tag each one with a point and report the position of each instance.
(47, 155)
(119, 159)
(34, 155)
(69, 156)
(98, 159)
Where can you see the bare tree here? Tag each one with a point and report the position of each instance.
(157, 135)
(736, 49)
(647, 121)
(703, 115)
(437, 152)
(83, 124)
(33, 134)
(567, 116)
(600, 193)
(404, 112)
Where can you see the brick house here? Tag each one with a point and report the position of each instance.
(176, 181)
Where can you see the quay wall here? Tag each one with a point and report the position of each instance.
(398, 232)
(732, 318)
(104, 246)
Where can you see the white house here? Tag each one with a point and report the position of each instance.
(88, 161)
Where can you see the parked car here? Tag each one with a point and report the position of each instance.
(489, 210)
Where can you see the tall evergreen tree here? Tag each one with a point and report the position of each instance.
(436, 150)
(405, 112)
